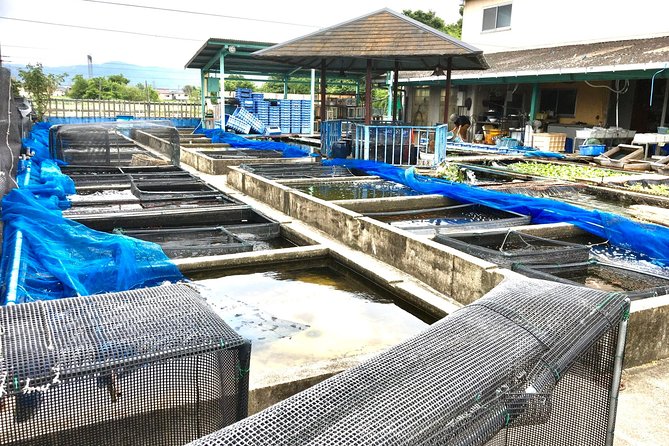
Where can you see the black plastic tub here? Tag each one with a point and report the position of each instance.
(601, 276)
(511, 247)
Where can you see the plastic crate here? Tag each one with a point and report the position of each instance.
(592, 150)
(549, 142)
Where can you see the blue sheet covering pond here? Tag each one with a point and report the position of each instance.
(219, 136)
(47, 256)
(648, 239)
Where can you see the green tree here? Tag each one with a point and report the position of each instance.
(430, 19)
(40, 86)
(194, 93)
(235, 81)
(16, 87)
(296, 85)
(111, 87)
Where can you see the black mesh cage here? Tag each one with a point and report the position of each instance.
(147, 367)
(530, 363)
(121, 143)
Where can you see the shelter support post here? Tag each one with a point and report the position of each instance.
(323, 90)
(391, 98)
(533, 102)
(528, 138)
(368, 93)
(203, 89)
(357, 92)
(664, 104)
(221, 89)
(447, 98)
(313, 100)
(285, 87)
(396, 75)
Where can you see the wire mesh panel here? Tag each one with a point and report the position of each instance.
(515, 247)
(114, 143)
(153, 367)
(490, 365)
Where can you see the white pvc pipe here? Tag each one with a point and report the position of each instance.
(16, 262)
(615, 384)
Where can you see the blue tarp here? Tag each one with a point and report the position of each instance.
(648, 239)
(219, 136)
(53, 257)
(63, 258)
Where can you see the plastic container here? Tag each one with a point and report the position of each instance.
(663, 130)
(549, 142)
(592, 150)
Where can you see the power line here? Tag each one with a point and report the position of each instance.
(208, 14)
(91, 28)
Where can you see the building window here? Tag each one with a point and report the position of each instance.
(497, 17)
(561, 102)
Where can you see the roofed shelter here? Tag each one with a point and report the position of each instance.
(375, 43)
(228, 56)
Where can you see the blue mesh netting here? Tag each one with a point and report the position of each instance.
(648, 239)
(38, 140)
(46, 256)
(45, 180)
(219, 136)
(63, 258)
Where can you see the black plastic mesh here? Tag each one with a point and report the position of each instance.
(634, 284)
(179, 243)
(514, 247)
(489, 366)
(114, 143)
(151, 366)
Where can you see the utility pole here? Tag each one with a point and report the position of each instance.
(90, 66)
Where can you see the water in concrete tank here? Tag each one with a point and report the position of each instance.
(358, 190)
(300, 316)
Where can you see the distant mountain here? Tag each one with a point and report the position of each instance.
(158, 77)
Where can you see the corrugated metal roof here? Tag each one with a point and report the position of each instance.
(384, 36)
(239, 62)
(600, 57)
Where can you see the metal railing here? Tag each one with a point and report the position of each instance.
(402, 145)
(95, 108)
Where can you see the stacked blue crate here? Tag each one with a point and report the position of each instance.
(245, 98)
(295, 118)
(285, 122)
(305, 115)
(248, 118)
(275, 115)
(262, 111)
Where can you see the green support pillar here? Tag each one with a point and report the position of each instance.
(285, 87)
(357, 92)
(533, 102)
(202, 95)
(391, 99)
(221, 87)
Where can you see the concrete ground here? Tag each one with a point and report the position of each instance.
(643, 407)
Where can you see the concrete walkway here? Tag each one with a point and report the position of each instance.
(643, 408)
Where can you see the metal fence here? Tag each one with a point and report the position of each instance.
(400, 144)
(94, 108)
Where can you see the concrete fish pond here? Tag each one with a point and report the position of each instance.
(302, 317)
(354, 190)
